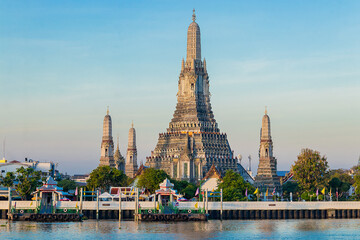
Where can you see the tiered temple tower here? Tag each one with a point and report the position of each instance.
(107, 144)
(131, 155)
(267, 171)
(119, 159)
(193, 141)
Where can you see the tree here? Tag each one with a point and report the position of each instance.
(151, 178)
(357, 182)
(234, 187)
(310, 170)
(290, 187)
(103, 177)
(8, 180)
(185, 188)
(67, 184)
(28, 180)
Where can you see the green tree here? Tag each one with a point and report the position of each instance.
(357, 182)
(290, 187)
(151, 178)
(104, 177)
(234, 187)
(67, 184)
(28, 180)
(189, 191)
(310, 170)
(185, 188)
(8, 180)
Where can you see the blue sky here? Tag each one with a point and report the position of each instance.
(63, 62)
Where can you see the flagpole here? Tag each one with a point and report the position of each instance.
(221, 199)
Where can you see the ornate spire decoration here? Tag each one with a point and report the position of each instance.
(193, 51)
(193, 140)
(107, 144)
(131, 156)
(267, 170)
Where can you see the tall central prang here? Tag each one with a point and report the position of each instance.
(193, 141)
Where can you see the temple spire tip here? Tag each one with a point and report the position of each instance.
(194, 16)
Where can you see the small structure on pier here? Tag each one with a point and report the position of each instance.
(166, 194)
(211, 179)
(48, 194)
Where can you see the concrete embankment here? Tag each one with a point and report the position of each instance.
(229, 210)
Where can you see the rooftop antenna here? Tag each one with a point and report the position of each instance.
(4, 147)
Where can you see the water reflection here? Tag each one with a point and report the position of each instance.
(253, 229)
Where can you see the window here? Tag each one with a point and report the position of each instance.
(196, 171)
(266, 152)
(185, 170)
(175, 171)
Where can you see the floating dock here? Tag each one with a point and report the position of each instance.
(36, 217)
(152, 217)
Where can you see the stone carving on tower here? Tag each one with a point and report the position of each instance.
(193, 141)
(107, 144)
(267, 171)
(119, 159)
(131, 155)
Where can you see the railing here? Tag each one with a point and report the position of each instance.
(114, 205)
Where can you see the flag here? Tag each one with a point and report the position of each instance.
(31, 203)
(337, 194)
(197, 192)
(76, 205)
(330, 192)
(212, 192)
(125, 191)
(76, 191)
(196, 205)
(246, 192)
(317, 192)
(157, 206)
(323, 191)
(273, 192)
(132, 192)
(256, 191)
(267, 192)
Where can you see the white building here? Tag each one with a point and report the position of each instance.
(46, 168)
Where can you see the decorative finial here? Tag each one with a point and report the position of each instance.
(107, 111)
(265, 110)
(132, 124)
(118, 141)
(193, 16)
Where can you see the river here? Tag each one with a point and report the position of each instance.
(213, 229)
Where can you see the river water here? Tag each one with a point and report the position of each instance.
(213, 229)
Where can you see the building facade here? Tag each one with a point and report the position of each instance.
(46, 168)
(193, 141)
(107, 143)
(267, 177)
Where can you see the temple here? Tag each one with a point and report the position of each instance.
(266, 177)
(119, 159)
(131, 166)
(193, 142)
(107, 144)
